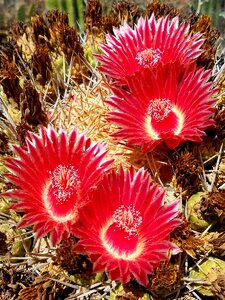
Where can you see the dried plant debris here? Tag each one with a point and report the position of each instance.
(187, 239)
(43, 287)
(4, 143)
(121, 11)
(126, 11)
(93, 16)
(9, 72)
(217, 241)
(168, 277)
(161, 9)
(212, 272)
(130, 291)
(32, 112)
(218, 286)
(3, 244)
(187, 170)
(47, 37)
(75, 264)
(41, 64)
(213, 205)
(217, 131)
(13, 279)
(195, 216)
(31, 69)
(211, 35)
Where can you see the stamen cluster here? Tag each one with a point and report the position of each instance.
(159, 109)
(64, 182)
(149, 57)
(127, 219)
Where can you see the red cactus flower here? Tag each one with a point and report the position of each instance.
(170, 104)
(125, 228)
(151, 43)
(54, 177)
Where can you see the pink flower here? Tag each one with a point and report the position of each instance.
(54, 177)
(170, 104)
(151, 43)
(125, 228)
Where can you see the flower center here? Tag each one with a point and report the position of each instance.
(127, 219)
(149, 57)
(121, 237)
(163, 120)
(159, 109)
(63, 190)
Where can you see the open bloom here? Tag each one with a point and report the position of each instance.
(54, 177)
(125, 228)
(151, 43)
(171, 104)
